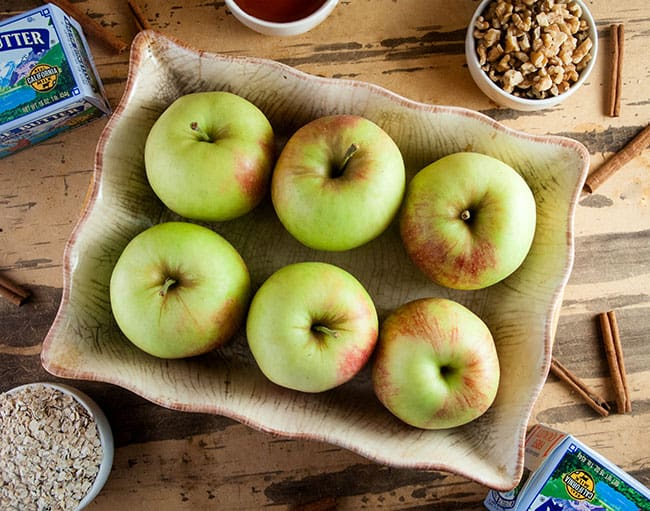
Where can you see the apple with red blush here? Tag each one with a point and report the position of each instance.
(179, 290)
(209, 156)
(338, 182)
(468, 220)
(311, 326)
(436, 364)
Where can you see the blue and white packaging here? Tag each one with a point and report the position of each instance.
(563, 474)
(48, 80)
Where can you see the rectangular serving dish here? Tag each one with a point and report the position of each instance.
(84, 341)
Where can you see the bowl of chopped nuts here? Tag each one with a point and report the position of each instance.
(531, 55)
(56, 445)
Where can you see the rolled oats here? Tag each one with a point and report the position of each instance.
(533, 49)
(50, 450)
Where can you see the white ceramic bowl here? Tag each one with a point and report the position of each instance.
(103, 429)
(503, 98)
(282, 29)
(85, 343)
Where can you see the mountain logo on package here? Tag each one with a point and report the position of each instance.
(579, 485)
(42, 77)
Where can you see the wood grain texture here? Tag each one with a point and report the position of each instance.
(175, 460)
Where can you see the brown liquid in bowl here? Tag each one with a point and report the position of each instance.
(280, 11)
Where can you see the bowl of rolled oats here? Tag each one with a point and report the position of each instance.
(56, 447)
(531, 54)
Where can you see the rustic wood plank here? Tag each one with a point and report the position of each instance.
(174, 460)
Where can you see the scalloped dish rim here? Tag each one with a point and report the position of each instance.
(139, 52)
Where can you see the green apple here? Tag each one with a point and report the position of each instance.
(338, 182)
(468, 220)
(210, 155)
(311, 326)
(179, 290)
(436, 364)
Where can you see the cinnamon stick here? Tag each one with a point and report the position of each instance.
(614, 354)
(140, 20)
(91, 27)
(631, 150)
(616, 336)
(613, 69)
(12, 291)
(617, 37)
(591, 398)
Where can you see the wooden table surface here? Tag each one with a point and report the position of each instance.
(168, 460)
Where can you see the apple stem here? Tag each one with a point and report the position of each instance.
(465, 215)
(325, 330)
(169, 282)
(194, 126)
(346, 158)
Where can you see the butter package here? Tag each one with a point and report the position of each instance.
(48, 81)
(562, 474)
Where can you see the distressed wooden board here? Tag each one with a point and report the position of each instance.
(172, 460)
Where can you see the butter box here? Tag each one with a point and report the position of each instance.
(48, 81)
(562, 474)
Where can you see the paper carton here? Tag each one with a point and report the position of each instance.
(48, 81)
(562, 474)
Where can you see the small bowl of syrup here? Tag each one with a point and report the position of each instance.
(281, 17)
